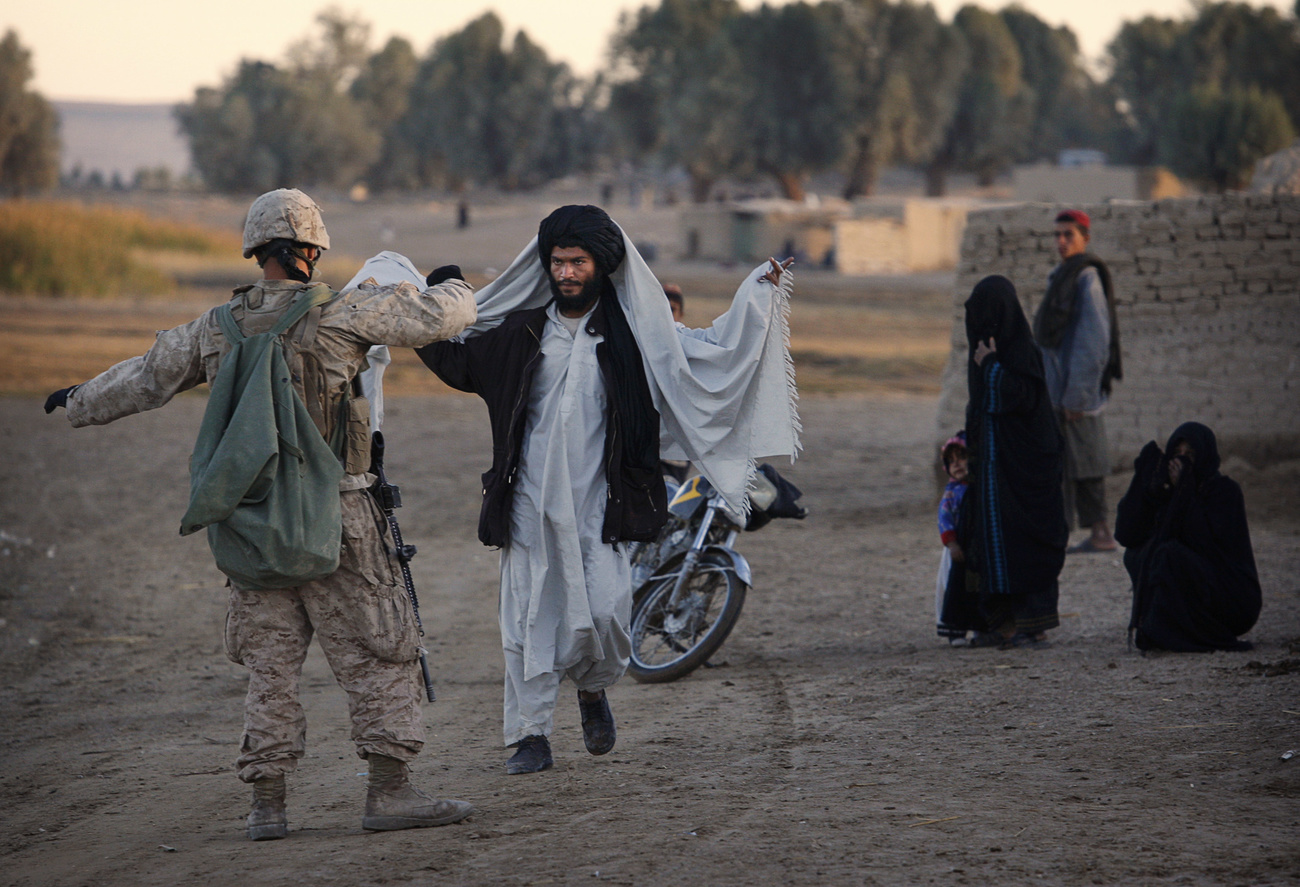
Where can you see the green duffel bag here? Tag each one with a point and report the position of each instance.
(263, 480)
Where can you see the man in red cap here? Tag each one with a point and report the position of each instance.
(1076, 328)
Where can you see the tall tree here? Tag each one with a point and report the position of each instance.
(231, 129)
(1230, 47)
(269, 126)
(675, 95)
(1067, 106)
(1236, 45)
(328, 139)
(482, 111)
(795, 108)
(383, 84)
(383, 90)
(338, 53)
(1215, 136)
(29, 126)
(901, 66)
(994, 107)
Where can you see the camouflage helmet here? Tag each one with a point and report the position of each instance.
(284, 213)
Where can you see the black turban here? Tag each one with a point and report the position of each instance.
(589, 227)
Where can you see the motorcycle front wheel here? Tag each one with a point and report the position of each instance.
(670, 642)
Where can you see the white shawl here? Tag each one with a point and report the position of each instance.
(726, 396)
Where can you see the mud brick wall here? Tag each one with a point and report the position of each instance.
(1208, 298)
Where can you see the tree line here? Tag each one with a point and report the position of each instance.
(717, 91)
(29, 126)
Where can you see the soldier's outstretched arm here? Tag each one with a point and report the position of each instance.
(405, 315)
(174, 364)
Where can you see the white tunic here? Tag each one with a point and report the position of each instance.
(565, 594)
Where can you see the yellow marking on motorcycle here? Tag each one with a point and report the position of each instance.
(688, 492)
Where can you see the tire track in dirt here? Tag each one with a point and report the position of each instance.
(838, 741)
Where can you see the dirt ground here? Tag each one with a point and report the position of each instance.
(837, 740)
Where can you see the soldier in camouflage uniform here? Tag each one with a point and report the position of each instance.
(360, 614)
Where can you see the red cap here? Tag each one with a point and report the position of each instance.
(1077, 216)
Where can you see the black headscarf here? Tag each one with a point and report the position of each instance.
(591, 228)
(993, 312)
(1205, 462)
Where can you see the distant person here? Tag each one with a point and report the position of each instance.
(949, 592)
(1076, 328)
(584, 375)
(1195, 586)
(462, 214)
(1013, 528)
(675, 469)
(359, 614)
(676, 301)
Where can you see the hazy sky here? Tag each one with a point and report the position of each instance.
(160, 50)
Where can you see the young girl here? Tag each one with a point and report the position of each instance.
(954, 462)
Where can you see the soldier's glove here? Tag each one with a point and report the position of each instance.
(59, 399)
(444, 274)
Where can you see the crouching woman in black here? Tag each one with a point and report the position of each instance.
(1195, 587)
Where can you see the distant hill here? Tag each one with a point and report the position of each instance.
(120, 139)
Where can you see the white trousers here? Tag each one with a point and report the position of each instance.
(529, 708)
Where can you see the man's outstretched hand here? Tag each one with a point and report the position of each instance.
(58, 399)
(774, 275)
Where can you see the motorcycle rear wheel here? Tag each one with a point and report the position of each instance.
(668, 644)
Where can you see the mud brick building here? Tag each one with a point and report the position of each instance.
(1208, 293)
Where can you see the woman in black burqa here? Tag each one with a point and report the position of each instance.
(1195, 587)
(1013, 517)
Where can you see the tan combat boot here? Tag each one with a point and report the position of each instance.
(393, 803)
(268, 820)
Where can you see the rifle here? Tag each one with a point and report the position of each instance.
(389, 497)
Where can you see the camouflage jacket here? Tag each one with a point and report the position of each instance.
(181, 358)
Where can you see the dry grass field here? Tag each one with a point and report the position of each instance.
(51, 343)
(847, 334)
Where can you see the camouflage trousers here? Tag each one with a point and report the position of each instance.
(363, 622)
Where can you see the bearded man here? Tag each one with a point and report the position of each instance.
(582, 369)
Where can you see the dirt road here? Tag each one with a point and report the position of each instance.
(836, 742)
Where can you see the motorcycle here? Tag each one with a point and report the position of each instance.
(690, 582)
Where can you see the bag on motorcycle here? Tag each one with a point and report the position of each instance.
(782, 499)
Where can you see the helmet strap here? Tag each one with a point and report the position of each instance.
(288, 255)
